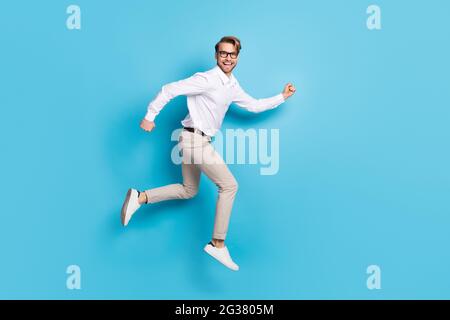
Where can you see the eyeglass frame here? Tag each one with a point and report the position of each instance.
(227, 54)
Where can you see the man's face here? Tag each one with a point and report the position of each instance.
(227, 57)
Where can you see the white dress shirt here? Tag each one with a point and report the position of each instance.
(209, 94)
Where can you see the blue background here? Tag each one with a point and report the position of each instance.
(364, 160)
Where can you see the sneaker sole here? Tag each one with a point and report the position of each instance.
(212, 255)
(125, 207)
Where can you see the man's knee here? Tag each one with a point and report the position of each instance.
(190, 192)
(229, 187)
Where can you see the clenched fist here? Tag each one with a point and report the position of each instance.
(288, 90)
(147, 125)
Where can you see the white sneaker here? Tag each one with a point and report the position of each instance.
(222, 255)
(130, 206)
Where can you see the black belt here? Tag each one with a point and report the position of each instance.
(193, 130)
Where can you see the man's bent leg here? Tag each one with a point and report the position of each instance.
(189, 188)
(215, 168)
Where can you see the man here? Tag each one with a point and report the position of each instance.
(209, 94)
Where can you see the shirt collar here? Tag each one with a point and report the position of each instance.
(225, 79)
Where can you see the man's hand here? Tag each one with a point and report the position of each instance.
(288, 91)
(147, 125)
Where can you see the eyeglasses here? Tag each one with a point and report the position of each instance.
(224, 54)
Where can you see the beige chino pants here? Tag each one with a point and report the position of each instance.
(198, 155)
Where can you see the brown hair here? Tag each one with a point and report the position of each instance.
(230, 39)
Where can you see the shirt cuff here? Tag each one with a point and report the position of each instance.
(150, 116)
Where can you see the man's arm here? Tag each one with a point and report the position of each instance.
(251, 104)
(193, 85)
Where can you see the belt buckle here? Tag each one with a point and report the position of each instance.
(204, 135)
(199, 132)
